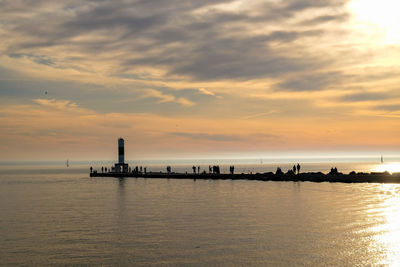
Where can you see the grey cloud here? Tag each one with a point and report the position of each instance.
(221, 58)
(210, 46)
(235, 59)
(359, 97)
(43, 60)
(327, 18)
(289, 8)
(314, 82)
(388, 107)
(376, 73)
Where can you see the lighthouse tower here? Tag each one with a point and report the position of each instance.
(121, 158)
(121, 166)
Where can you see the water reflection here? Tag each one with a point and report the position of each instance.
(180, 222)
(387, 231)
(121, 183)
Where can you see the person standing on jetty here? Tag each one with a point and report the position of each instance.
(298, 168)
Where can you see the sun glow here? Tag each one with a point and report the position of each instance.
(388, 231)
(379, 18)
(389, 167)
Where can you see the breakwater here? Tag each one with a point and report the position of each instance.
(353, 177)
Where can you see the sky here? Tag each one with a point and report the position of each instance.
(199, 79)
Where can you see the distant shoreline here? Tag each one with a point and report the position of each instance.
(318, 177)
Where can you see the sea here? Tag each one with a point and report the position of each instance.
(51, 214)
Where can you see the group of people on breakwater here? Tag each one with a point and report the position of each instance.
(211, 169)
(143, 170)
(196, 170)
(137, 169)
(216, 170)
(293, 171)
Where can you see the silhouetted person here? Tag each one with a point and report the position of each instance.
(91, 169)
(216, 169)
(145, 170)
(105, 169)
(298, 168)
(231, 169)
(194, 169)
(294, 169)
(102, 169)
(209, 169)
(334, 171)
(141, 168)
(168, 169)
(279, 171)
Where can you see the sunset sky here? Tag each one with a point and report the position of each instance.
(198, 79)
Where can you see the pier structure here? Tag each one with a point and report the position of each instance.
(121, 166)
(121, 170)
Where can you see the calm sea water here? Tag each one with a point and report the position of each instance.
(51, 215)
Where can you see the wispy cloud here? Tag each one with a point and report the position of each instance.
(185, 102)
(206, 92)
(159, 95)
(57, 104)
(164, 98)
(395, 107)
(260, 114)
(206, 43)
(210, 137)
(364, 96)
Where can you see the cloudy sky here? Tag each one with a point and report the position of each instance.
(207, 78)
